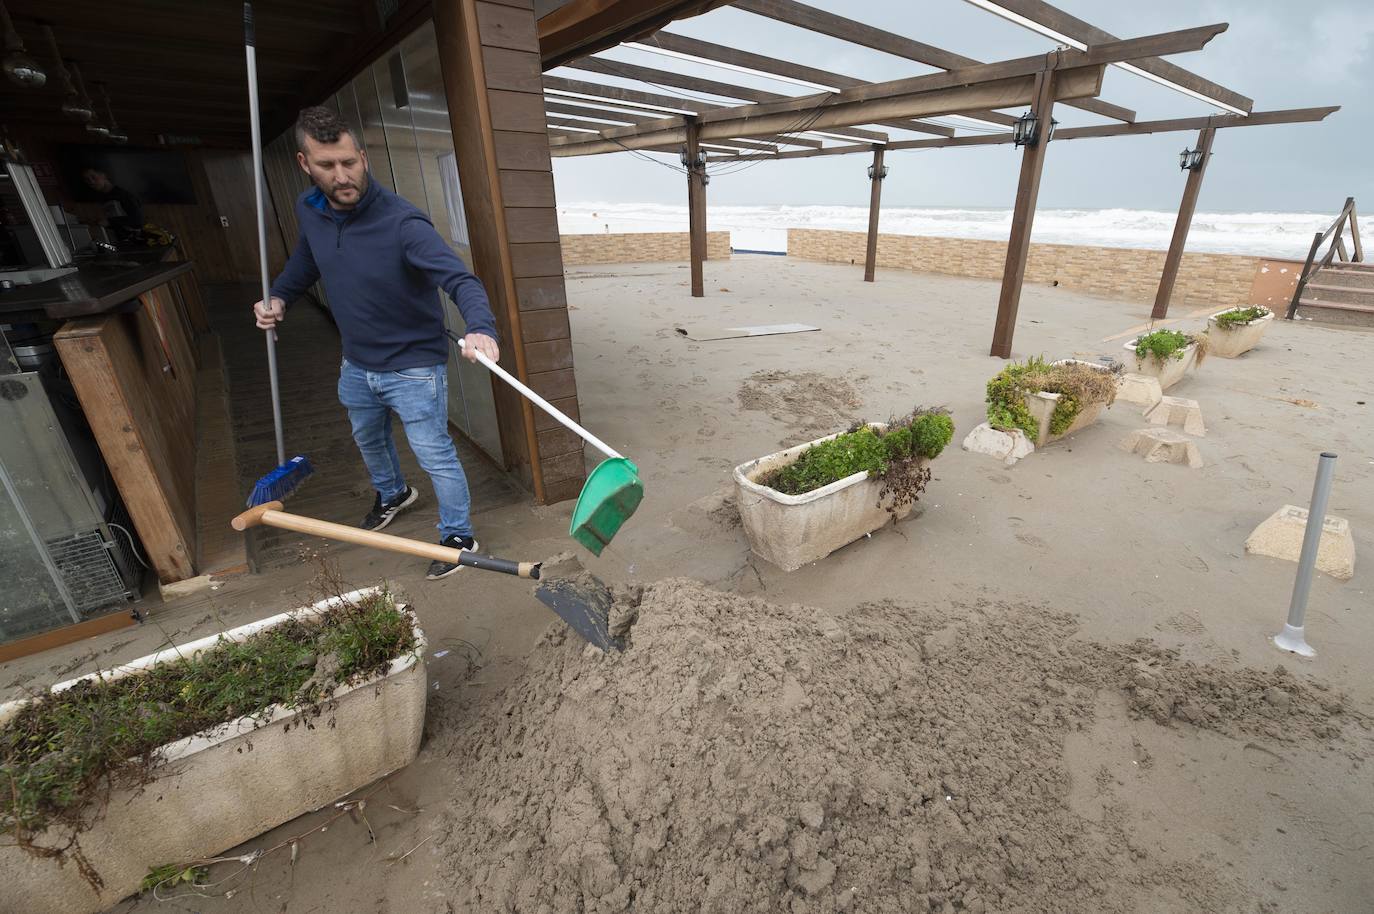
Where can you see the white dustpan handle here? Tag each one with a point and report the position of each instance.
(542, 403)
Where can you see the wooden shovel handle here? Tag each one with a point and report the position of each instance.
(272, 515)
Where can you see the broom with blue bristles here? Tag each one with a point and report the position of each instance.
(289, 474)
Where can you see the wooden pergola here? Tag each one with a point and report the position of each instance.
(962, 104)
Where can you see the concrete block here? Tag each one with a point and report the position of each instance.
(1178, 411)
(1280, 537)
(1007, 447)
(1141, 389)
(1162, 445)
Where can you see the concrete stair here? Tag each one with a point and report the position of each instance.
(1341, 294)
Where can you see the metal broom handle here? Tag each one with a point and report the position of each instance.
(539, 401)
(258, 189)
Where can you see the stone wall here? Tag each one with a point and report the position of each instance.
(1128, 274)
(639, 247)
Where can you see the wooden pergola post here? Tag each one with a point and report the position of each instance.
(1023, 216)
(1174, 258)
(876, 172)
(696, 207)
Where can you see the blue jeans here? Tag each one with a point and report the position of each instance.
(420, 397)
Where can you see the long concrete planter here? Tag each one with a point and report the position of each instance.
(793, 530)
(1169, 372)
(1238, 339)
(1042, 403)
(220, 788)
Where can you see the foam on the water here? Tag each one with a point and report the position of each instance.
(764, 228)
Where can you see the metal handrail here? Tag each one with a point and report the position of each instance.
(1337, 248)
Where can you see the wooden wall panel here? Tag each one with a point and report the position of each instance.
(506, 27)
(531, 225)
(541, 292)
(517, 208)
(230, 175)
(143, 417)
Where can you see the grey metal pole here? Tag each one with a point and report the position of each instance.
(250, 52)
(1292, 638)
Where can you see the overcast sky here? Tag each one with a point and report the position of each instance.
(1281, 53)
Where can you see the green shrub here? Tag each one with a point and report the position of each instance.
(930, 434)
(1162, 344)
(1240, 316)
(829, 461)
(899, 449)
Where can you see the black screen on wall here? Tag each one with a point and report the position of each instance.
(151, 174)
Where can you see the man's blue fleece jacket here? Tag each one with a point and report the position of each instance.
(382, 263)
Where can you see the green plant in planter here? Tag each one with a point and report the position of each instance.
(1171, 344)
(896, 455)
(1237, 317)
(1078, 385)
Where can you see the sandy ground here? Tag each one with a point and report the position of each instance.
(1130, 550)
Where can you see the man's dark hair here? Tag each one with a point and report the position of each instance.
(321, 125)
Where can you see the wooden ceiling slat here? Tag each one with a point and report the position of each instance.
(697, 84)
(860, 33)
(1075, 28)
(708, 51)
(1254, 119)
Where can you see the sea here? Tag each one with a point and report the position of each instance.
(764, 228)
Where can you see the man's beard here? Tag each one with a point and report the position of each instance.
(361, 187)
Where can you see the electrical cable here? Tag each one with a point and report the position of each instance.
(132, 546)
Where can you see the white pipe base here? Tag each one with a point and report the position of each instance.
(1291, 639)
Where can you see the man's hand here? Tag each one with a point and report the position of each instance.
(474, 343)
(268, 316)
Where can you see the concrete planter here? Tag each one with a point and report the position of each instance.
(793, 530)
(1238, 339)
(1042, 403)
(220, 788)
(1169, 372)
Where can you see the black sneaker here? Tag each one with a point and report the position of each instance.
(438, 569)
(382, 514)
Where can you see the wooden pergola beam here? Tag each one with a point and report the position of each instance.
(1174, 259)
(1078, 82)
(626, 95)
(582, 27)
(860, 33)
(697, 84)
(1140, 128)
(710, 52)
(1009, 82)
(1023, 216)
(1072, 27)
(877, 171)
(696, 208)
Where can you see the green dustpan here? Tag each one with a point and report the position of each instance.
(613, 491)
(610, 495)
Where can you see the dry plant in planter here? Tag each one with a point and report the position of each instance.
(1079, 386)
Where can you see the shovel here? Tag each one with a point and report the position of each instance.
(585, 608)
(613, 490)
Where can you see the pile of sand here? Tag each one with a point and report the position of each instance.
(811, 404)
(747, 757)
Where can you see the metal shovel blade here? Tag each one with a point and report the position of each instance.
(585, 605)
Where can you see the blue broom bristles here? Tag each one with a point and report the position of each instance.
(281, 482)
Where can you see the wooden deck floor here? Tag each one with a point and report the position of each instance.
(316, 425)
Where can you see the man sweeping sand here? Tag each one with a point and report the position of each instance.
(382, 262)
